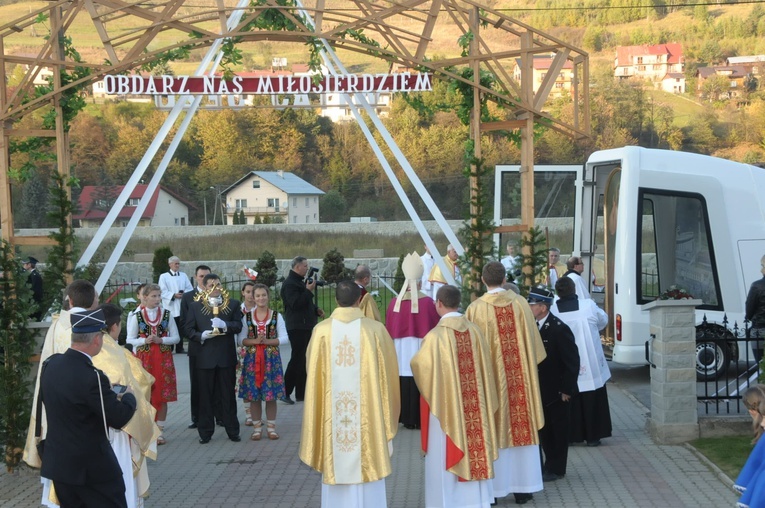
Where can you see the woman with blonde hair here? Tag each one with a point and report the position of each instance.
(152, 332)
(751, 481)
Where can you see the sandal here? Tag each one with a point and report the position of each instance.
(248, 422)
(161, 438)
(271, 429)
(258, 426)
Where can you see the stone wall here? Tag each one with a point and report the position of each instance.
(388, 228)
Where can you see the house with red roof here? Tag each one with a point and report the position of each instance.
(165, 208)
(649, 62)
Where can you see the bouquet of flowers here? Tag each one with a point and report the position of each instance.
(675, 293)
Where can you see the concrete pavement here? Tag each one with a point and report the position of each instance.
(628, 470)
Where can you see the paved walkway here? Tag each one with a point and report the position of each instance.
(628, 470)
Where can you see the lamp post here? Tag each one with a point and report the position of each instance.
(205, 202)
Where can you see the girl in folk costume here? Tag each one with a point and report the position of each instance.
(152, 332)
(262, 378)
(751, 481)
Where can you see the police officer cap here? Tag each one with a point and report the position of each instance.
(541, 294)
(88, 321)
(31, 260)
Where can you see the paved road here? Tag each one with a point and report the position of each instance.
(628, 470)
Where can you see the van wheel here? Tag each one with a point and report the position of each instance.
(713, 357)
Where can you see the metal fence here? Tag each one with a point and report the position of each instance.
(727, 363)
(123, 293)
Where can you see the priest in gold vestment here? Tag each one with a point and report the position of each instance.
(351, 404)
(506, 321)
(437, 278)
(368, 306)
(459, 400)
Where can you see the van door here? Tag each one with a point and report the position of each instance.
(600, 180)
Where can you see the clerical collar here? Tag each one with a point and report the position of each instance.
(173, 273)
(451, 314)
(495, 290)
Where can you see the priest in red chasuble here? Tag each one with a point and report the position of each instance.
(506, 321)
(459, 400)
(411, 315)
(351, 404)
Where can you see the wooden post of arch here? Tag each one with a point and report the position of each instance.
(475, 135)
(527, 144)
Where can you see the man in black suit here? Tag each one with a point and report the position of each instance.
(216, 357)
(34, 280)
(557, 382)
(193, 347)
(300, 316)
(77, 397)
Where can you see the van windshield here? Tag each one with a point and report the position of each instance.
(675, 248)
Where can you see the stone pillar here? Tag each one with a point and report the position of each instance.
(674, 414)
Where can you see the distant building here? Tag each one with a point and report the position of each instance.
(165, 208)
(674, 82)
(736, 75)
(280, 196)
(652, 63)
(542, 65)
(42, 74)
(752, 63)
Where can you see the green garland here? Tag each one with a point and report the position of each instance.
(16, 347)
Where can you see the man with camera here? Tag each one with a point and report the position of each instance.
(300, 315)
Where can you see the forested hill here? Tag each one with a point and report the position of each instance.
(108, 140)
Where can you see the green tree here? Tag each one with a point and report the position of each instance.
(710, 52)
(399, 278)
(534, 259)
(159, 263)
(266, 268)
(715, 87)
(333, 207)
(17, 344)
(333, 269)
(35, 199)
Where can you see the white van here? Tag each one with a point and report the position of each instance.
(665, 219)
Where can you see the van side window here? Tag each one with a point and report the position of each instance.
(675, 247)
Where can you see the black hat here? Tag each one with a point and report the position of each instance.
(541, 294)
(88, 321)
(31, 260)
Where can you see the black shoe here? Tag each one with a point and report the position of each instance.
(192, 425)
(236, 438)
(287, 400)
(204, 440)
(297, 399)
(594, 443)
(523, 498)
(220, 423)
(551, 477)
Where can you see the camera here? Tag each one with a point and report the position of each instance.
(309, 276)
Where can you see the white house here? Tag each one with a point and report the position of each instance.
(280, 196)
(165, 208)
(646, 62)
(673, 82)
